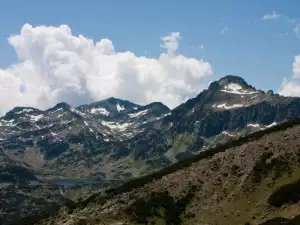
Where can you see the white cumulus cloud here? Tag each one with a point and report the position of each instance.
(271, 16)
(292, 87)
(55, 66)
(171, 43)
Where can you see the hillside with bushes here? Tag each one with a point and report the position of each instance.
(252, 180)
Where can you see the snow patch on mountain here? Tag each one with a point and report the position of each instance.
(227, 133)
(271, 125)
(24, 111)
(225, 106)
(120, 108)
(57, 110)
(138, 114)
(99, 110)
(55, 136)
(77, 112)
(66, 122)
(233, 87)
(236, 89)
(8, 123)
(259, 126)
(116, 125)
(164, 115)
(253, 125)
(167, 114)
(36, 118)
(60, 115)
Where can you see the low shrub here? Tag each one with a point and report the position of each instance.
(289, 193)
(160, 205)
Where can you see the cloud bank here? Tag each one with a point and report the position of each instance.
(55, 66)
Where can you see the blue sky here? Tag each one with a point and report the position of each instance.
(261, 51)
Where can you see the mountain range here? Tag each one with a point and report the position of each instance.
(114, 140)
(117, 139)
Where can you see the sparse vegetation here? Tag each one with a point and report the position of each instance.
(202, 155)
(159, 205)
(278, 166)
(69, 207)
(261, 167)
(289, 193)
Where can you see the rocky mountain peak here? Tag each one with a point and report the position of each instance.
(20, 113)
(61, 105)
(121, 104)
(21, 110)
(230, 83)
(109, 107)
(229, 79)
(156, 106)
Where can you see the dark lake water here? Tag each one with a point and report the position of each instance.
(72, 182)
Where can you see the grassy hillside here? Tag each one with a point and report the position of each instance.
(252, 180)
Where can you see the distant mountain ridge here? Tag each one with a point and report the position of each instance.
(44, 138)
(118, 139)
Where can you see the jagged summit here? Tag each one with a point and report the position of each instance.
(109, 107)
(156, 105)
(230, 83)
(114, 100)
(61, 105)
(21, 110)
(232, 79)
